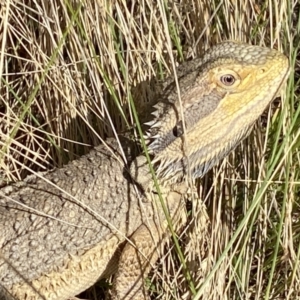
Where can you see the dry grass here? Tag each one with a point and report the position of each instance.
(66, 70)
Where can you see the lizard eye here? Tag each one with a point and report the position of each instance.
(227, 79)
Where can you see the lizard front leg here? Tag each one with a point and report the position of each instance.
(135, 263)
(143, 250)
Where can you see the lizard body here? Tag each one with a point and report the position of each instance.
(61, 231)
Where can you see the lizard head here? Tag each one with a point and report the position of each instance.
(217, 100)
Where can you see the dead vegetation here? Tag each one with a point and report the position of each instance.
(66, 70)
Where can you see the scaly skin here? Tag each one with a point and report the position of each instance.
(60, 232)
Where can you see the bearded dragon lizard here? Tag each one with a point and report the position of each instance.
(62, 231)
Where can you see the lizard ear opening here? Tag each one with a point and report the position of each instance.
(178, 129)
